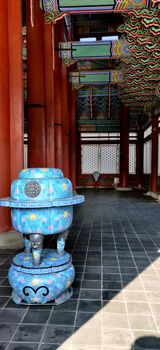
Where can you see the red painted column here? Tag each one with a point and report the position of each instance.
(36, 87)
(16, 87)
(4, 116)
(49, 93)
(78, 158)
(154, 159)
(72, 151)
(58, 100)
(69, 105)
(65, 120)
(124, 146)
(139, 159)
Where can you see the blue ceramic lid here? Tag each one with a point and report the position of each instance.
(51, 262)
(41, 188)
(40, 173)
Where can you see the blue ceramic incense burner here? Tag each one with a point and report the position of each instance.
(41, 204)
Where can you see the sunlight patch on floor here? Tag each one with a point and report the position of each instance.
(134, 312)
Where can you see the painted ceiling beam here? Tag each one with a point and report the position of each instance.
(95, 77)
(105, 77)
(70, 52)
(99, 91)
(56, 9)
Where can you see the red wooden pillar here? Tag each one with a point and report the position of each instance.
(49, 92)
(124, 147)
(65, 120)
(36, 86)
(78, 157)
(154, 159)
(139, 159)
(69, 104)
(11, 101)
(16, 87)
(4, 115)
(72, 151)
(58, 100)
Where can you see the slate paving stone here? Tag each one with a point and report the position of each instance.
(109, 277)
(57, 334)
(36, 316)
(89, 305)
(83, 317)
(112, 285)
(3, 301)
(76, 292)
(4, 267)
(92, 276)
(11, 305)
(110, 270)
(5, 291)
(3, 345)
(62, 318)
(11, 315)
(93, 269)
(91, 284)
(50, 347)
(109, 294)
(5, 282)
(7, 331)
(90, 294)
(29, 333)
(3, 273)
(23, 346)
(71, 305)
(1, 279)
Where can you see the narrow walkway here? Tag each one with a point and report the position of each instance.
(115, 241)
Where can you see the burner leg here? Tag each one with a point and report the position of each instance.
(36, 241)
(27, 244)
(61, 241)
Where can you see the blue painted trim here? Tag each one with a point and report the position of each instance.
(13, 203)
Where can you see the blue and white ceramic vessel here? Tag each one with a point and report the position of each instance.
(41, 201)
(41, 204)
(50, 281)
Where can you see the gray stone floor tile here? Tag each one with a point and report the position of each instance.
(29, 333)
(23, 346)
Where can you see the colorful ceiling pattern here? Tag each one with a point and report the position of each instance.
(141, 71)
(137, 74)
(56, 9)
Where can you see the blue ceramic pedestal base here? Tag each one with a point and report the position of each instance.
(49, 282)
(59, 300)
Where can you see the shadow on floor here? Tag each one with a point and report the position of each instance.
(146, 343)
